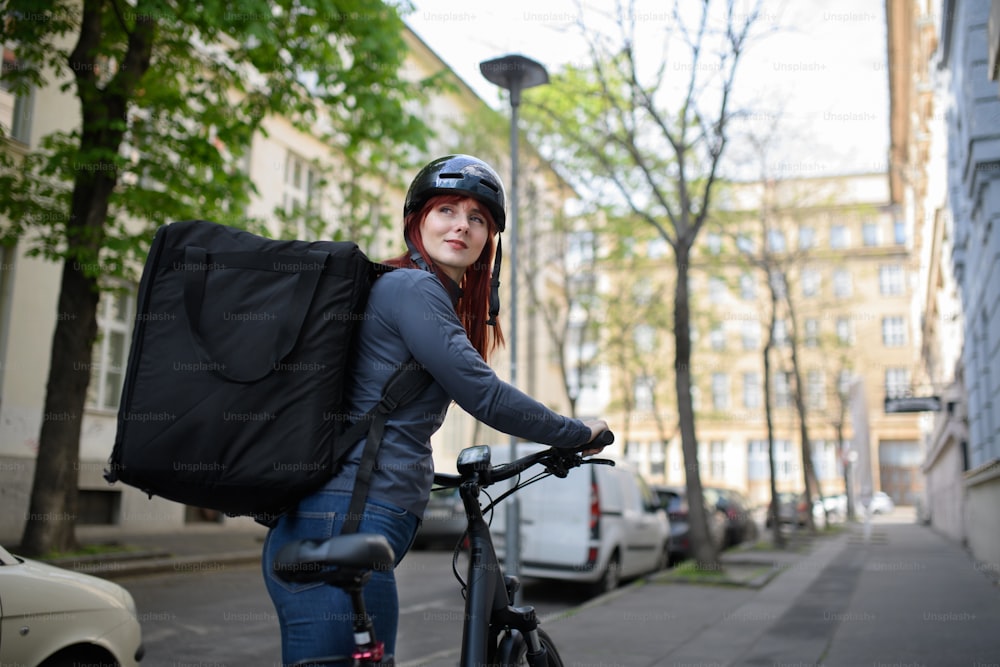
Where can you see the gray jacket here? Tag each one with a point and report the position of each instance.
(409, 314)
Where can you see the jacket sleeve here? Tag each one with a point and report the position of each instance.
(428, 325)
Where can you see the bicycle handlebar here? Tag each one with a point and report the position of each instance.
(557, 460)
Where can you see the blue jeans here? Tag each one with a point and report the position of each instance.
(315, 619)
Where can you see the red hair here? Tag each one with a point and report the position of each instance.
(474, 305)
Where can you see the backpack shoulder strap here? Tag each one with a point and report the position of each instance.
(403, 386)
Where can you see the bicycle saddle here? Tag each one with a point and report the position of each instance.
(305, 561)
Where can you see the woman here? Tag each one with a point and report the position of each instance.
(439, 309)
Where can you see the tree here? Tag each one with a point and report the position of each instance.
(568, 310)
(627, 134)
(171, 94)
(634, 323)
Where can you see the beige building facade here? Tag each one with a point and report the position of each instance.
(848, 266)
(279, 165)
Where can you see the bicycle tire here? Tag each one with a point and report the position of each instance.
(513, 651)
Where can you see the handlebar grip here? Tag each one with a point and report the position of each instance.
(603, 439)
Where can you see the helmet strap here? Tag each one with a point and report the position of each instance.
(495, 285)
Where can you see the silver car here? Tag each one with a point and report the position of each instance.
(60, 618)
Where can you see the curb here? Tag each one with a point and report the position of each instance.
(153, 562)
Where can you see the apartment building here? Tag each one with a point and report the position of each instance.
(280, 165)
(847, 265)
(945, 177)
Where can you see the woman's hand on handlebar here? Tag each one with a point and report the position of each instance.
(597, 427)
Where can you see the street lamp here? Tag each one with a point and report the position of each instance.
(513, 73)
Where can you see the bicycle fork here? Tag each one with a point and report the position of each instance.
(488, 607)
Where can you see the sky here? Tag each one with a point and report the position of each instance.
(822, 66)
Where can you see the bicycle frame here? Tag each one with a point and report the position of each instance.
(488, 608)
(495, 632)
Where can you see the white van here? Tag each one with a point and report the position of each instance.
(598, 526)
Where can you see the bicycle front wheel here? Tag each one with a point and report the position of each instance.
(513, 651)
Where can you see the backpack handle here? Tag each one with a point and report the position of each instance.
(195, 270)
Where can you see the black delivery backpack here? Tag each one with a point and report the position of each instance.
(233, 397)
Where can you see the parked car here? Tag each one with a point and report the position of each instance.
(835, 507)
(598, 526)
(674, 500)
(444, 522)
(794, 509)
(740, 523)
(54, 616)
(881, 503)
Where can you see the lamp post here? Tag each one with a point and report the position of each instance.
(513, 73)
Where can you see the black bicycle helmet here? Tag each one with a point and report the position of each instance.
(463, 174)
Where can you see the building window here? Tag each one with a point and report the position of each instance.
(810, 282)
(717, 338)
(748, 287)
(745, 244)
(890, 279)
(110, 353)
(807, 238)
(870, 235)
(758, 466)
(816, 389)
(716, 289)
(301, 195)
(15, 110)
(657, 468)
(644, 336)
(893, 331)
(778, 284)
(720, 391)
(784, 460)
(776, 240)
(845, 332)
(839, 237)
(588, 378)
(899, 232)
(844, 378)
(657, 248)
(782, 389)
(824, 459)
(750, 335)
(812, 332)
(751, 390)
(758, 461)
(842, 284)
(717, 458)
(780, 333)
(580, 249)
(897, 382)
(714, 242)
(644, 393)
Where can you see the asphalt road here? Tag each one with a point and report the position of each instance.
(222, 616)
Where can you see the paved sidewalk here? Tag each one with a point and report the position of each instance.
(906, 597)
(895, 595)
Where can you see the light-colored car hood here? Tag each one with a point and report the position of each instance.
(38, 584)
(45, 609)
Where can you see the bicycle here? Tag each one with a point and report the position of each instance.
(494, 632)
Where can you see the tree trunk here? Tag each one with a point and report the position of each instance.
(705, 553)
(52, 513)
(808, 473)
(51, 521)
(778, 537)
